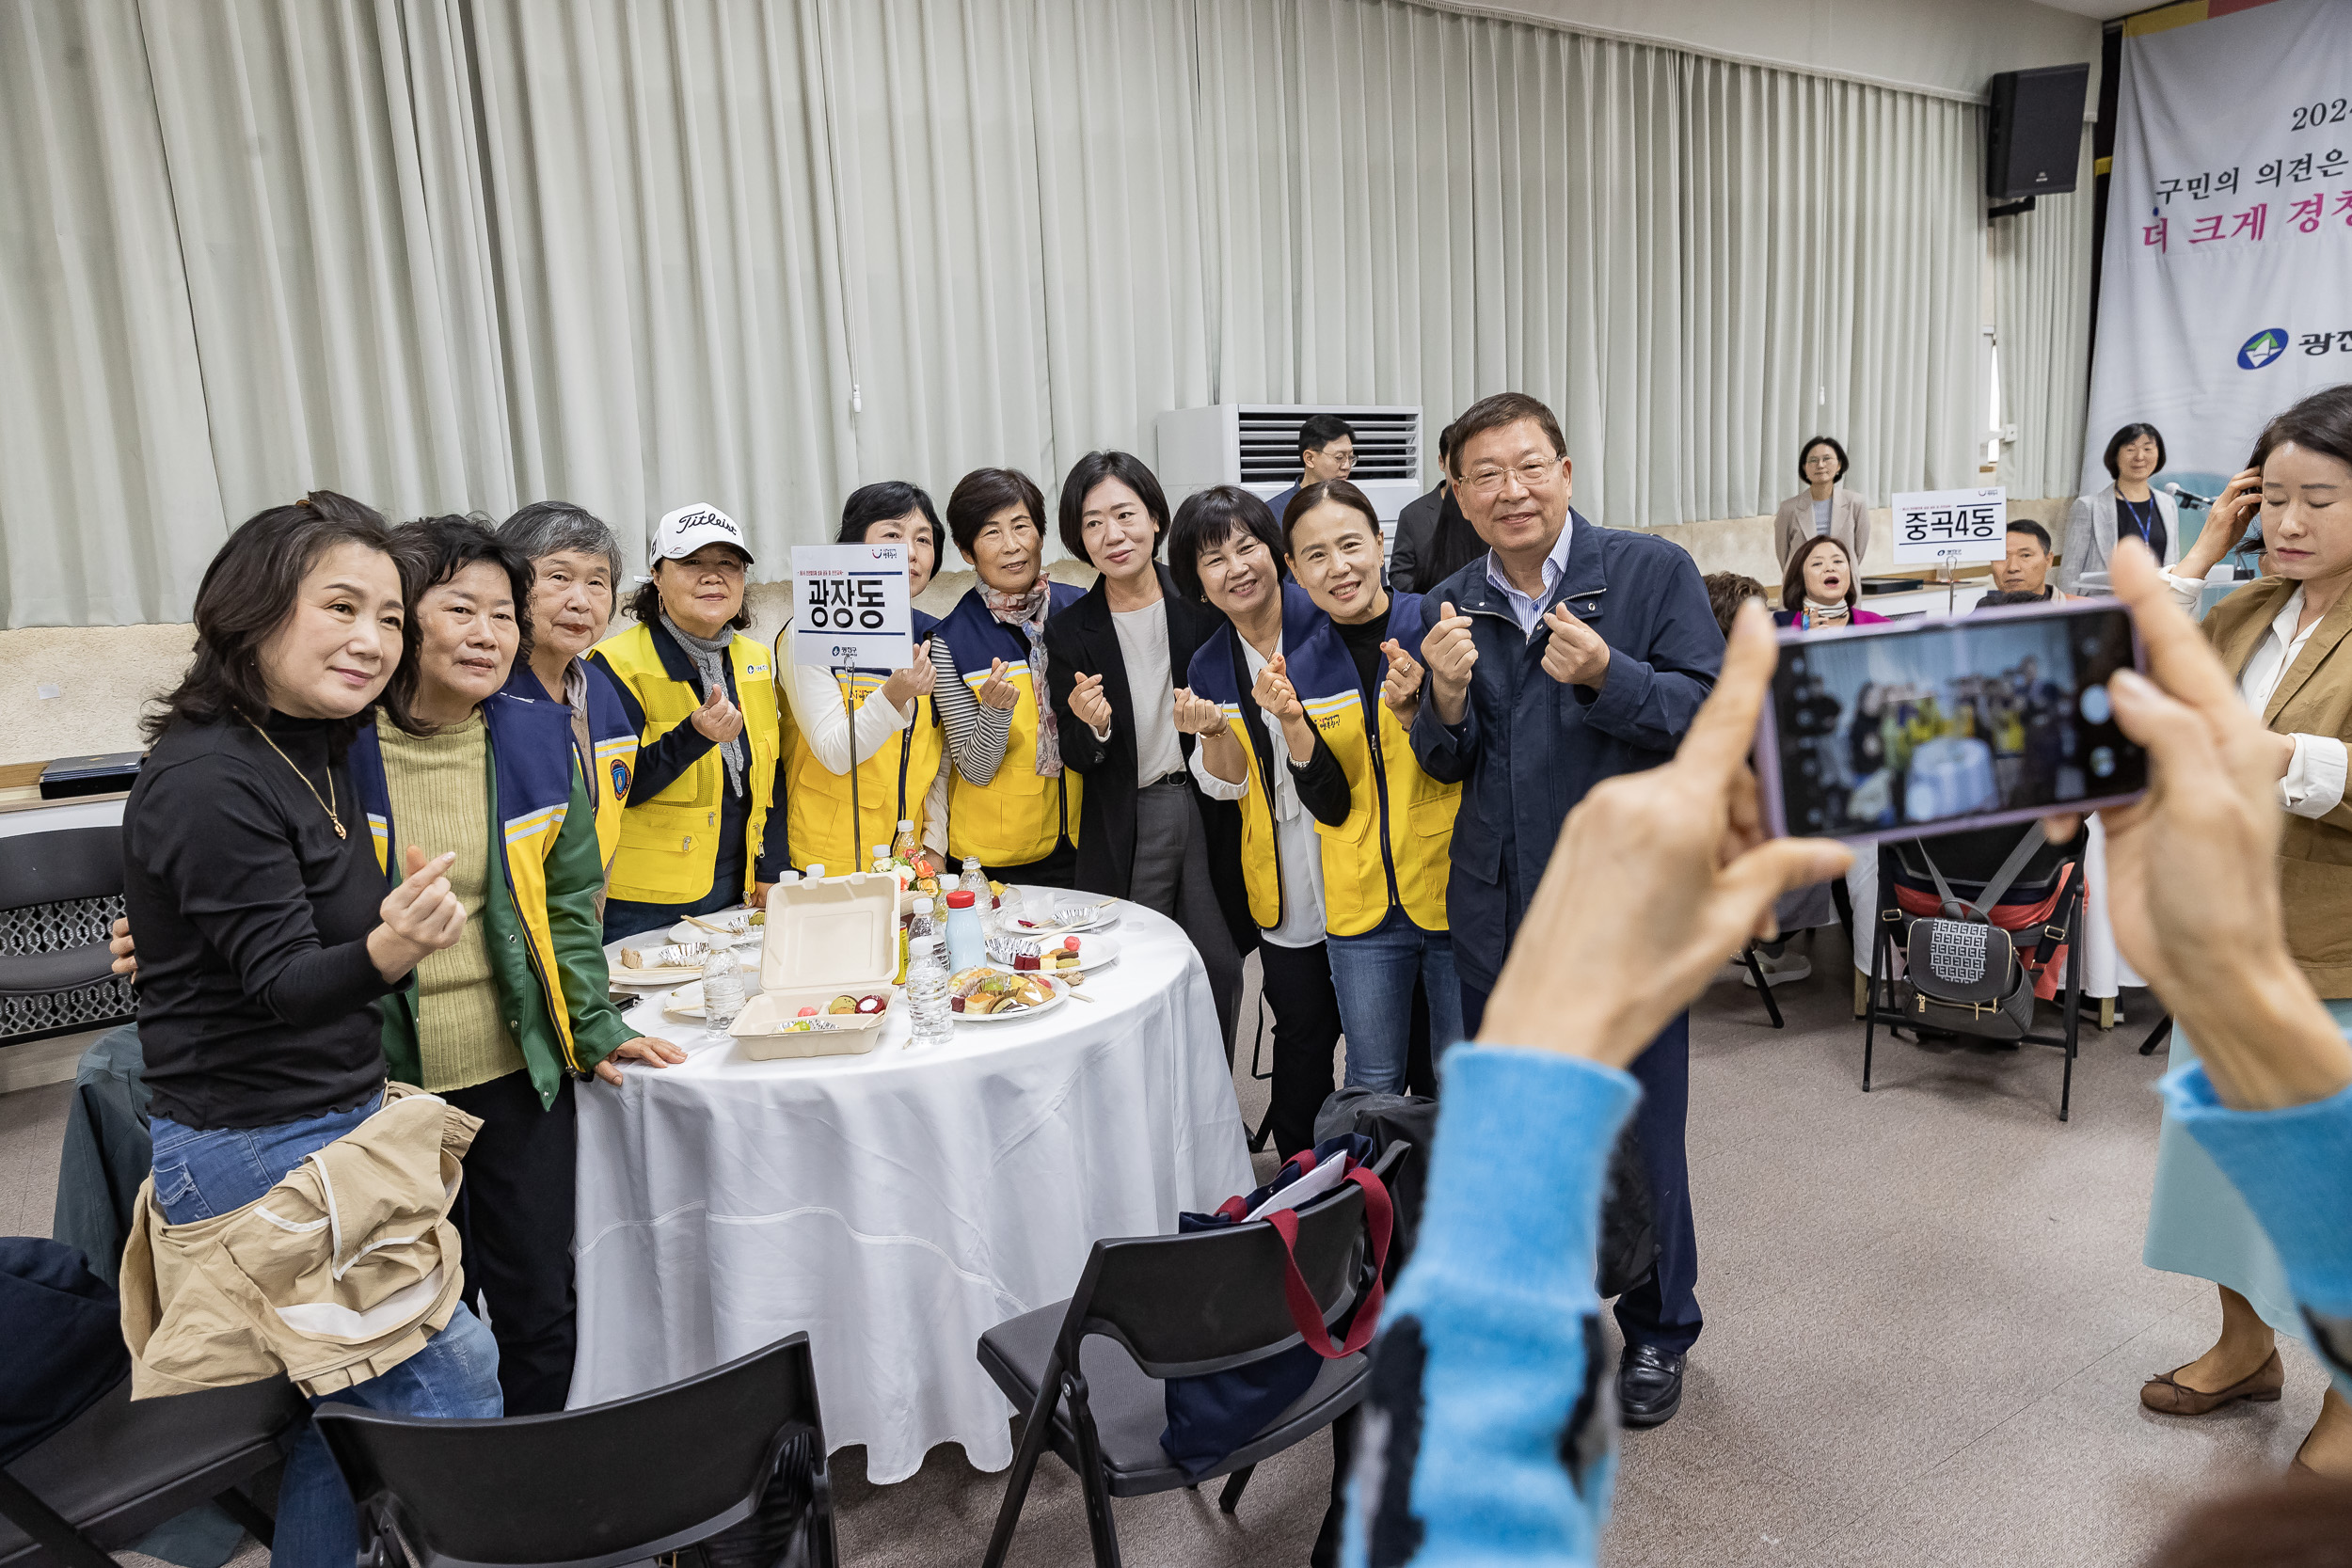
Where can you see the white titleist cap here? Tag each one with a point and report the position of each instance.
(690, 528)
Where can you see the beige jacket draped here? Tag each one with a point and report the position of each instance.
(335, 1276)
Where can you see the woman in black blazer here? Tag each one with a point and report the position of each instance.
(1145, 830)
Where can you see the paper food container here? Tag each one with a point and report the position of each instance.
(823, 938)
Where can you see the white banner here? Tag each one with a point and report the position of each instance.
(1933, 526)
(2226, 287)
(850, 608)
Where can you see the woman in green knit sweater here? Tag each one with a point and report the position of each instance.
(500, 1023)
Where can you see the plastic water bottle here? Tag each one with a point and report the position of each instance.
(928, 1007)
(906, 846)
(723, 989)
(974, 882)
(967, 945)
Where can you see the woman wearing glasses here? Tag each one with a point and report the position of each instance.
(1823, 507)
(2127, 509)
(704, 699)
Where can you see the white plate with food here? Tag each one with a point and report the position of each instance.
(1070, 915)
(986, 995)
(732, 927)
(685, 1001)
(625, 979)
(1093, 952)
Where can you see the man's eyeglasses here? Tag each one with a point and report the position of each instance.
(1534, 474)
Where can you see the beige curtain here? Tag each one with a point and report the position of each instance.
(2042, 307)
(450, 254)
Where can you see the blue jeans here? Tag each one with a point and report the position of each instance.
(1374, 975)
(201, 1173)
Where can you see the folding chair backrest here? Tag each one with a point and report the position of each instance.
(60, 866)
(591, 1488)
(1215, 1299)
(1969, 859)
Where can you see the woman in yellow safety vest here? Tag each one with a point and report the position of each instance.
(1011, 803)
(1385, 863)
(693, 836)
(899, 745)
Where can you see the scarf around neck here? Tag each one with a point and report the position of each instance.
(1836, 615)
(711, 663)
(1026, 613)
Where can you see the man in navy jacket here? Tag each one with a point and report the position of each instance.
(1566, 654)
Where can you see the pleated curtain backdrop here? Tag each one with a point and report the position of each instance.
(2043, 307)
(452, 254)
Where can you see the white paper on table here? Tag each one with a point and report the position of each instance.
(1307, 1188)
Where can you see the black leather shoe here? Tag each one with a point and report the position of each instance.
(1650, 1386)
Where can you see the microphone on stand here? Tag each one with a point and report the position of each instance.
(2186, 498)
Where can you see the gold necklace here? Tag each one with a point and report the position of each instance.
(326, 803)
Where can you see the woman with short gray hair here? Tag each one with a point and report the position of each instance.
(576, 564)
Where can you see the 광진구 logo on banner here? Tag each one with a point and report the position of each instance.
(2262, 348)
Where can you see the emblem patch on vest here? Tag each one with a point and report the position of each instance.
(620, 779)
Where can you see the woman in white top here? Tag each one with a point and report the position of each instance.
(2287, 637)
(1225, 549)
(1823, 506)
(2127, 509)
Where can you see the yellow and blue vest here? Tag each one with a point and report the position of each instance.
(539, 916)
(669, 840)
(891, 784)
(1217, 673)
(1017, 817)
(1393, 850)
(610, 766)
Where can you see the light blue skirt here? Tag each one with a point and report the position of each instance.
(2198, 1225)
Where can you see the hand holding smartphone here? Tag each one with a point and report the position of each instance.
(1943, 724)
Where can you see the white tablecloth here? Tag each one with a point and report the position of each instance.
(897, 1204)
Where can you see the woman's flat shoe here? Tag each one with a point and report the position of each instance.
(2167, 1396)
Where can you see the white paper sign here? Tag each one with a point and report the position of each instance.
(850, 606)
(1935, 526)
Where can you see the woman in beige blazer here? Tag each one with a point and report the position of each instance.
(2287, 639)
(1823, 506)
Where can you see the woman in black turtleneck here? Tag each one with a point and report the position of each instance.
(264, 933)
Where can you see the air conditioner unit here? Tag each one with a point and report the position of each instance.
(1255, 445)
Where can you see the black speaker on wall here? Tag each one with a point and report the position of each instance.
(2035, 131)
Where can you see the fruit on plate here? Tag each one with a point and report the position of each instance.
(842, 1004)
(872, 1003)
(1069, 945)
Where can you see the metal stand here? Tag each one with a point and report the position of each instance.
(848, 677)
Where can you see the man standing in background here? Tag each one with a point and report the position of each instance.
(1326, 450)
(1566, 654)
(1417, 528)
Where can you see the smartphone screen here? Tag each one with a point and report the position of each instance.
(1949, 723)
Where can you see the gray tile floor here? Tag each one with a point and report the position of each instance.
(1926, 1326)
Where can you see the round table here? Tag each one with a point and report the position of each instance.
(899, 1203)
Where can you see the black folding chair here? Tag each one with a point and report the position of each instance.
(1763, 986)
(1089, 1370)
(67, 866)
(2064, 925)
(121, 1467)
(590, 1488)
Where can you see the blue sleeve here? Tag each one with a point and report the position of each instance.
(1487, 1435)
(1649, 702)
(2294, 1168)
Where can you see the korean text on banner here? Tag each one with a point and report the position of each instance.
(2225, 290)
(850, 608)
(1933, 527)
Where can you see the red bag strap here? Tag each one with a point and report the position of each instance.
(1305, 1314)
